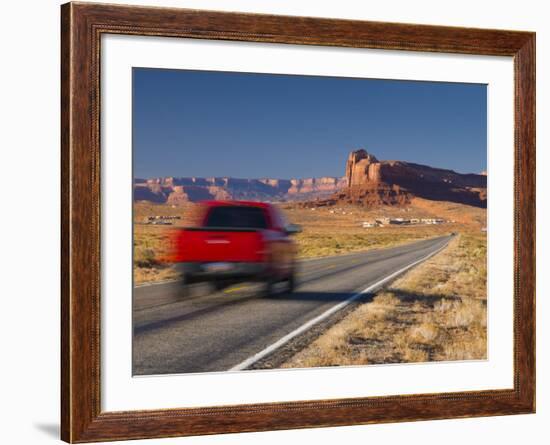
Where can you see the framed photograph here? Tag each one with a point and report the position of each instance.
(275, 222)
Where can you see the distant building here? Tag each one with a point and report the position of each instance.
(433, 220)
(367, 224)
(404, 221)
(399, 221)
(160, 219)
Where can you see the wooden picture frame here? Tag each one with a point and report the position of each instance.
(82, 25)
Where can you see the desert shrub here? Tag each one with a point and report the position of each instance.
(144, 257)
(425, 333)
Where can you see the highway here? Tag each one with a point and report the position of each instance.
(234, 328)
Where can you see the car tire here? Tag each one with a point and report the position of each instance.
(220, 285)
(269, 287)
(291, 282)
(185, 290)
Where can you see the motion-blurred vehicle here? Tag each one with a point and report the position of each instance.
(236, 241)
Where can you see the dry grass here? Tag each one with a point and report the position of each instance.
(150, 244)
(435, 312)
(338, 239)
(325, 233)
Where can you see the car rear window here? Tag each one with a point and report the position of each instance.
(236, 217)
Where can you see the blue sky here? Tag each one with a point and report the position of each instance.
(202, 123)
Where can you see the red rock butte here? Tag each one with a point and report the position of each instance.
(361, 168)
(372, 182)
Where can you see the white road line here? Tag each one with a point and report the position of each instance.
(271, 348)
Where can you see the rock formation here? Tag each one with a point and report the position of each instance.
(177, 191)
(362, 167)
(371, 182)
(367, 182)
(316, 185)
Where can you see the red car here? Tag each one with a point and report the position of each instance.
(235, 241)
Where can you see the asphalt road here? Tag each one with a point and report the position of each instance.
(207, 332)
